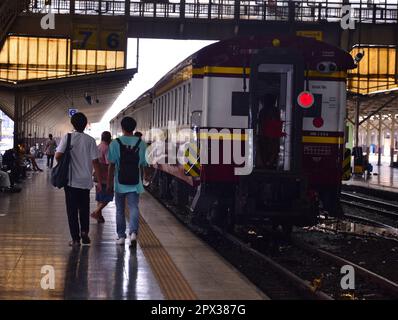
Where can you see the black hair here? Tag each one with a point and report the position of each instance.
(79, 121)
(106, 137)
(50, 136)
(138, 134)
(128, 124)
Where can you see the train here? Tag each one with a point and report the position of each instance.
(261, 120)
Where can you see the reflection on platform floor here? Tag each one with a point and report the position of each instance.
(34, 234)
(383, 177)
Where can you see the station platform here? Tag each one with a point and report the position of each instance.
(383, 178)
(169, 263)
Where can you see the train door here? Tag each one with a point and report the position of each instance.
(276, 186)
(272, 100)
(276, 79)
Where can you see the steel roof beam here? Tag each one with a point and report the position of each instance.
(378, 109)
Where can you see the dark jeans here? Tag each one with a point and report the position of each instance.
(78, 209)
(50, 161)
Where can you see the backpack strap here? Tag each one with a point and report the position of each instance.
(120, 142)
(137, 144)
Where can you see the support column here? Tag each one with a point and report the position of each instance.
(379, 146)
(72, 7)
(368, 137)
(357, 122)
(392, 139)
(17, 116)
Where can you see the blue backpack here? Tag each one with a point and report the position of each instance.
(129, 171)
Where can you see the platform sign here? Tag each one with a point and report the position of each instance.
(95, 37)
(113, 40)
(318, 35)
(85, 37)
(72, 112)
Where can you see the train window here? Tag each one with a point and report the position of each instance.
(161, 110)
(165, 109)
(155, 124)
(175, 105)
(179, 106)
(183, 104)
(188, 103)
(168, 111)
(157, 112)
(240, 103)
(152, 113)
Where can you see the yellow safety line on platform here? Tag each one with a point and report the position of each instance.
(172, 283)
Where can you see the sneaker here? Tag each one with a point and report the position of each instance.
(74, 243)
(133, 239)
(120, 241)
(85, 239)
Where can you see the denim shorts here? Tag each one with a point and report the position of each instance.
(103, 196)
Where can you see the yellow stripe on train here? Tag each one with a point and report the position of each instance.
(316, 139)
(239, 70)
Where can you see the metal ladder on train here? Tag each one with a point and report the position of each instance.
(9, 10)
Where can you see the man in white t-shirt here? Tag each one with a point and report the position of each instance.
(84, 156)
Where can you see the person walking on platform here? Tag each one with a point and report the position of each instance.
(126, 156)
(84, 156)
(51, 147)
(103, 197)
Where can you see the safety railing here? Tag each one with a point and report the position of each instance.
(269, 10)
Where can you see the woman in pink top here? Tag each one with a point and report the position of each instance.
(103, 198)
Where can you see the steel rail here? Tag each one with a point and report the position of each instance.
(374, 278)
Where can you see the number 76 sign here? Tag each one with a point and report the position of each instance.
(89, 37)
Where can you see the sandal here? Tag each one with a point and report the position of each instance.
(101, 219)
(94, 215)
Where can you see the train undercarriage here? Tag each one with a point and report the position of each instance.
(264, 198)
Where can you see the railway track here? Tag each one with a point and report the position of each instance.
(286, 277)
(276, 281)
(387, 287)
(379, 207)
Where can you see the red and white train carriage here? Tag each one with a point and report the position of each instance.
(218, 93)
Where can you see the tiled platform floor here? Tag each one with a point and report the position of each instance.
(34, 233)
(386, 177)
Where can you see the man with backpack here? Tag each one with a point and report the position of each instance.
(126, 156)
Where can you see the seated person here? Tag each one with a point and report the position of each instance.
(5, 183)
(11, 162)
(24, 153)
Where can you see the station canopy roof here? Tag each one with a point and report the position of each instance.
(52, 77)
(374, 82)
